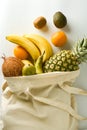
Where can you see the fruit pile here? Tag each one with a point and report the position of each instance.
(42, 58)
(31, 52)
(34, 54)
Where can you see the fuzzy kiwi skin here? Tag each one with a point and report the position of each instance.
(40, 22)
(12, 66)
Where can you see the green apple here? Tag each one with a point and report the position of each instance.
(28, 70)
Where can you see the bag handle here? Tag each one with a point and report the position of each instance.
(73, 90)
(58, 104)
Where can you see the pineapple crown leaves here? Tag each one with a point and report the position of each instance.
(80, 50)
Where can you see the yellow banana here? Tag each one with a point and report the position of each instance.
(42, 44)
(26, 44)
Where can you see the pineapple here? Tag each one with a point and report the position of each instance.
(67, 60)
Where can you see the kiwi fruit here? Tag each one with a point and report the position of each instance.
(59, 19)
(39, 22)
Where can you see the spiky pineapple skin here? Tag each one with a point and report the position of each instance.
(64, 60)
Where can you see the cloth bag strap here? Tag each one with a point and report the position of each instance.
(58, 104)
(72, 90)
(25, 94)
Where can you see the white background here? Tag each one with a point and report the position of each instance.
(17, 16)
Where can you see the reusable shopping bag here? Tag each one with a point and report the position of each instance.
(41, 102)
(1, 122)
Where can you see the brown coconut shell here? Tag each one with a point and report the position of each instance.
(12, 66)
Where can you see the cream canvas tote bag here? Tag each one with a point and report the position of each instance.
(41, 102)
(1, 122)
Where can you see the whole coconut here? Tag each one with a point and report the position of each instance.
(12, 66)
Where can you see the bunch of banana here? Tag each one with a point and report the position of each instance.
(42, 44)
(26, 44)
(34, 44)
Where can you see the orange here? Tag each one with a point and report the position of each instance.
(59, 39)
(20, 53)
